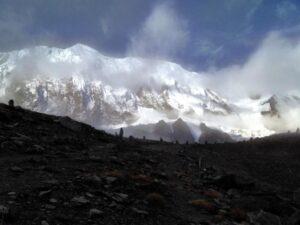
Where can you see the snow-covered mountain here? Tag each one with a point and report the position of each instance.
(116, 92)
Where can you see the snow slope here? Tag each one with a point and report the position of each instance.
(113, 92)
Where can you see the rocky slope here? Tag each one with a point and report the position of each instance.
(176, 131)
(211, 136)
(58, 171)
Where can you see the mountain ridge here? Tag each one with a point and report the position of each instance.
(110, 92)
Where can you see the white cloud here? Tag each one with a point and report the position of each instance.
(273, 69)
(164, 33)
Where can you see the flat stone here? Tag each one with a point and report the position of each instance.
(139, 211)
(47, 206)
(124, 196)
(53, 200)
(80, 200)
(43, 193)
(51, 182)
(95, 212)
(44, 222)
(89, 195)
(110, 179)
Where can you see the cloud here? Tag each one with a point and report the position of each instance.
(163, 34)
(273, 69)
(249, 6)
(284, 9)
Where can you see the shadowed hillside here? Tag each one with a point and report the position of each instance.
(58, 171)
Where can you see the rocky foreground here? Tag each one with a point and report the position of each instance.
(54, 170)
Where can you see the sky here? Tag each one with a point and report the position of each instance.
(198, 34)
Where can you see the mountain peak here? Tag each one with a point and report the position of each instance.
(105, 91)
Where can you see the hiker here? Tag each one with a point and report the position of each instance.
(121, 134)
(11, 103)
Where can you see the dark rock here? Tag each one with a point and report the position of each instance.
(120, 197)
(4, 210)
(44, 222)
(110, 180)
(204, 204)
(8, 145)
(231, 181)
(250, 203)
(294, 219)
(156, 200)
(296, 197)
(264, 218)
(51, 182)
(226, 181)
(16, 169)
(50, 207)
(93, 181)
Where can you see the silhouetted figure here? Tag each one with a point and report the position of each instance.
(176, 142)
(187, 142)
(298, 130)
(131, 138)
(161, 140)
(11, 103)
(121, 134)
(144, 138)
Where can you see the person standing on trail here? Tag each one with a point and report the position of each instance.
(11, 103)
(121, 134)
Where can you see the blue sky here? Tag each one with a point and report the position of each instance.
(199, 34)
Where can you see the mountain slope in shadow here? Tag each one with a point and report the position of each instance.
(55, 170)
